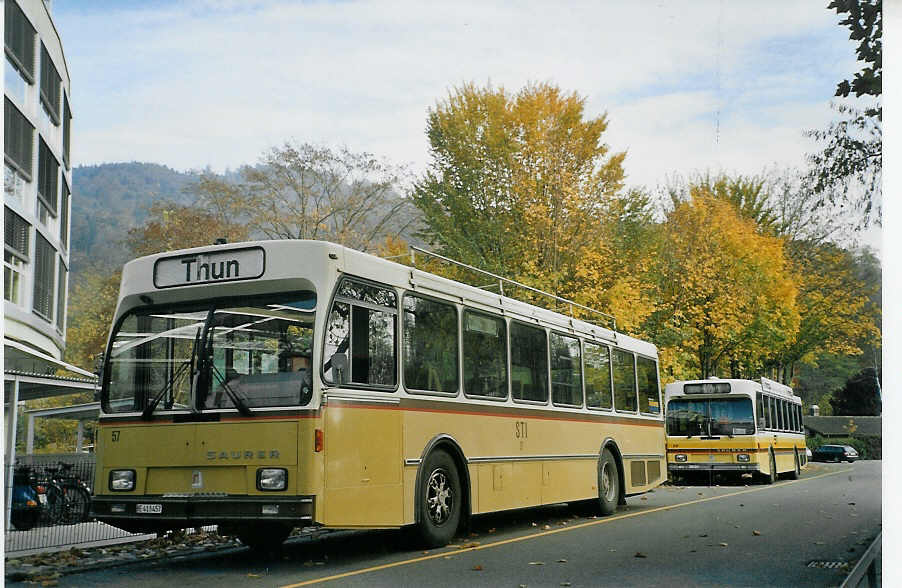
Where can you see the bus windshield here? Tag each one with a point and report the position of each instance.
(710, 416)
(254, 352)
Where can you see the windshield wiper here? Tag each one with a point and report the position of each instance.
(236, 399)
(148, 411)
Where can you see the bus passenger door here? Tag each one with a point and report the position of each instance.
(362, 466)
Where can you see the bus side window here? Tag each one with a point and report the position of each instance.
(647, 370)
(624, 381)
(566, 371)
(529, 362)
(598, 375)
(759, 404)
(362, 327)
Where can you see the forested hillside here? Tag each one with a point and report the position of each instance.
(111, 198)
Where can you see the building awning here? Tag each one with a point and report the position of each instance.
(37, 374)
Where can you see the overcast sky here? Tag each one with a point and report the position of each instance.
(687, 85)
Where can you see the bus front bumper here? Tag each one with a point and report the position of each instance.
(176, 511)
(712, 467)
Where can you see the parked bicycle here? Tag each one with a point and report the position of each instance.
(68, 498)
(76, 494)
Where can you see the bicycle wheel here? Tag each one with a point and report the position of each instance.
(56, 505)
(77, 505)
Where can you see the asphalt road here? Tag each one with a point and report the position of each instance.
(675, 536)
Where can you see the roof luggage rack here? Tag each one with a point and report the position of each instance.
(609, 321)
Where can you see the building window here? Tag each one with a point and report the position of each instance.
(67, 131)
(50, 87)
(13, 184)
(44, 275)
(13, 82)
(18, 138)
(48, 174)
(12, 277)
(61, 297)
(19, 41)
(64, 215)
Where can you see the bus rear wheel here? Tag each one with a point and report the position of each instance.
(794, 474)
(608, 483)
(264, 538)
(440, 500)
(771, 477)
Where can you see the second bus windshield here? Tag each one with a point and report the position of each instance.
(710, 416)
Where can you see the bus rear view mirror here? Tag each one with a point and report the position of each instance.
(339, 367)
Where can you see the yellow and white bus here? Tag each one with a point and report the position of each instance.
(737, 426)
(267, 385)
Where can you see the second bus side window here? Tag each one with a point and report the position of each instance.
(485, 355)
(430, 345)
(529, 363)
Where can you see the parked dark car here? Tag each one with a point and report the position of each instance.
(834, 453)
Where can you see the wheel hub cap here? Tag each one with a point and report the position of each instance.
(439, 497)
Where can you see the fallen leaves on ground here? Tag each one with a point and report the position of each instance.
(477, 568)
(640, 554)
(537, 563)
(756, 533)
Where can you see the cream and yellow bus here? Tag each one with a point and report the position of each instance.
(734, 426)
(268, 385)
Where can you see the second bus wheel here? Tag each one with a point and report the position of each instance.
(439, 500)
(264, 537)
(608, 483)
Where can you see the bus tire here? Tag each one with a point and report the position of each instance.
(440, 499)
(794, 474)
(608, 484)
(772, 476)
(264, 537)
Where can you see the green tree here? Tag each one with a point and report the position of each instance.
(848, 168)
(859, 397)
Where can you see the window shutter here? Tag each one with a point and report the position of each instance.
(48, 174)
(16, 229)
(50, 86)
(19, 40)
(44, 274)
(18, 138)
(61, 297)
(64, 215)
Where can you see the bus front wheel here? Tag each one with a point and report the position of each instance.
(608, 483)
(440, 500)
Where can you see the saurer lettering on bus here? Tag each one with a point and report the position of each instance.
(205, 272)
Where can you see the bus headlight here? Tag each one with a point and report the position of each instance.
(122, 480)
(744, 457)
(680, 457)
(272, 479)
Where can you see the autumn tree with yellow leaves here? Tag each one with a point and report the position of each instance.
(723, 289)
(517, 182)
